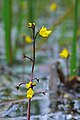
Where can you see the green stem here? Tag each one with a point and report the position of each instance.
(73, 55)
(33, 62)
(7, 16)
(19, 26)
(31, 10)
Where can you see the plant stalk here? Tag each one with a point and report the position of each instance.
(7, 16)
(67, 66)
(28, 113)
(33, 64)
(73, 56)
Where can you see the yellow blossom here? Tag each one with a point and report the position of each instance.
(64, 53)
(30, 93)
(44, 32)
(30, 25)
(28, 85)
(53, 6)
(28, 39)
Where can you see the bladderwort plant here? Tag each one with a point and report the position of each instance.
(30, 86)
(65, 55)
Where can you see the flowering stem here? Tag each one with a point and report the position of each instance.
(33, 63)
(17, 87)
(36, 79)
(33, 57)
(24, 56)
(67, 66)
(23, 63)
(22, 83)
(28, 113)
(36, 34)
(39, 93)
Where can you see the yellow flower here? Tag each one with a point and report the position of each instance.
(44, 32)
(28, 85)
(64, 53)
(30, 93)
(53, 6)
(28, 39)
(30, 25)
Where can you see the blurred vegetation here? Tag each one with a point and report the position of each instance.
(16, 14)
(64, 21)
(7, 18)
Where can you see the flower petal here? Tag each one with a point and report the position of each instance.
(30, 93)
(64, 53)
(44, 32)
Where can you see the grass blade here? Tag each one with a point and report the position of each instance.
(7, 17)
(73, 52)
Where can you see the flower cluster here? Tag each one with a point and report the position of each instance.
(30, 91)
(44, 32)
(30, 85)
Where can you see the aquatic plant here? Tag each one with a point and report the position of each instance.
(30, 85)
(65, 55)
(69, 81)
